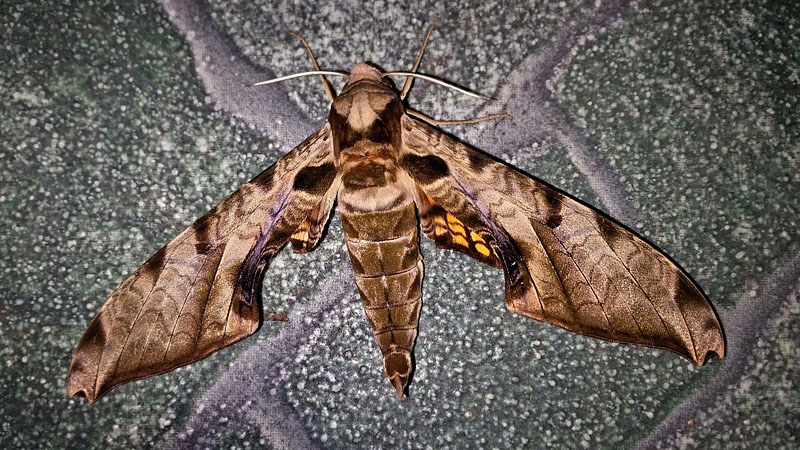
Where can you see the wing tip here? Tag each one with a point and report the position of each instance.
(704, 357)
(77, 384)
(715, 346)
(77, 391)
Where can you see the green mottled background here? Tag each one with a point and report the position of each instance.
(124, 121)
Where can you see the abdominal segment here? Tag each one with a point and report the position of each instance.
(383, 247)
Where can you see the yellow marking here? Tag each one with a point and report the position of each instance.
(456, 225)
(482, 249)
(475, 237)
(457, 229)
(460, 240)
(300, 235)
(439, 230)
(452, 219)
(439, 221)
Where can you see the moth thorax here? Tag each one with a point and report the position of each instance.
(365, 109)
(397, 367)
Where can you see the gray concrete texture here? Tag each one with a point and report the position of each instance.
(122, 122)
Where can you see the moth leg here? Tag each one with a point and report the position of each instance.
(410, 80)
(436, 123)
(325, 83)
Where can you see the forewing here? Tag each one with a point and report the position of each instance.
(564, 262)
(200, 292)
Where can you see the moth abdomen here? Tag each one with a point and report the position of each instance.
(384, 250)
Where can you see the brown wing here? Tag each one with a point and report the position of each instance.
(564, 262)
(200, 292)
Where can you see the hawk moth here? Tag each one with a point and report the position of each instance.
(392, 176)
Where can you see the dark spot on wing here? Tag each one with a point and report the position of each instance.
(685, 291)
(477, 161)
(425, 169)
(553, 200)
(315, 179)
(95, 334)
(203, 226)
(202, 248)
(264, 179)
(156, 262)
(554, 221)
(608, 230)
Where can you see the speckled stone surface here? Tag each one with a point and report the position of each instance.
(124, 121)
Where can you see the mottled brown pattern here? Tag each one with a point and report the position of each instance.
(315, 180)
(580, 270)
(187, 301)
(426, 169)
(564, 263)
(378, 217)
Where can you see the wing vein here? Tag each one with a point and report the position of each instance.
(567, 296)
(208, 295)
(647, 296)
(133, 325)
(611, 280)
(185, 300)
(583, 275)
(486, 217)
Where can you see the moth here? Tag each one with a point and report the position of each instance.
(392, 177)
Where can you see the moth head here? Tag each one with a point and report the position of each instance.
(363, 71)
(397, 367)
(366, 72)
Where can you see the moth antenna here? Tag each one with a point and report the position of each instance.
(298, 75)
(325, 83)
(437, 123)
(409, 80)
(434, 80)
